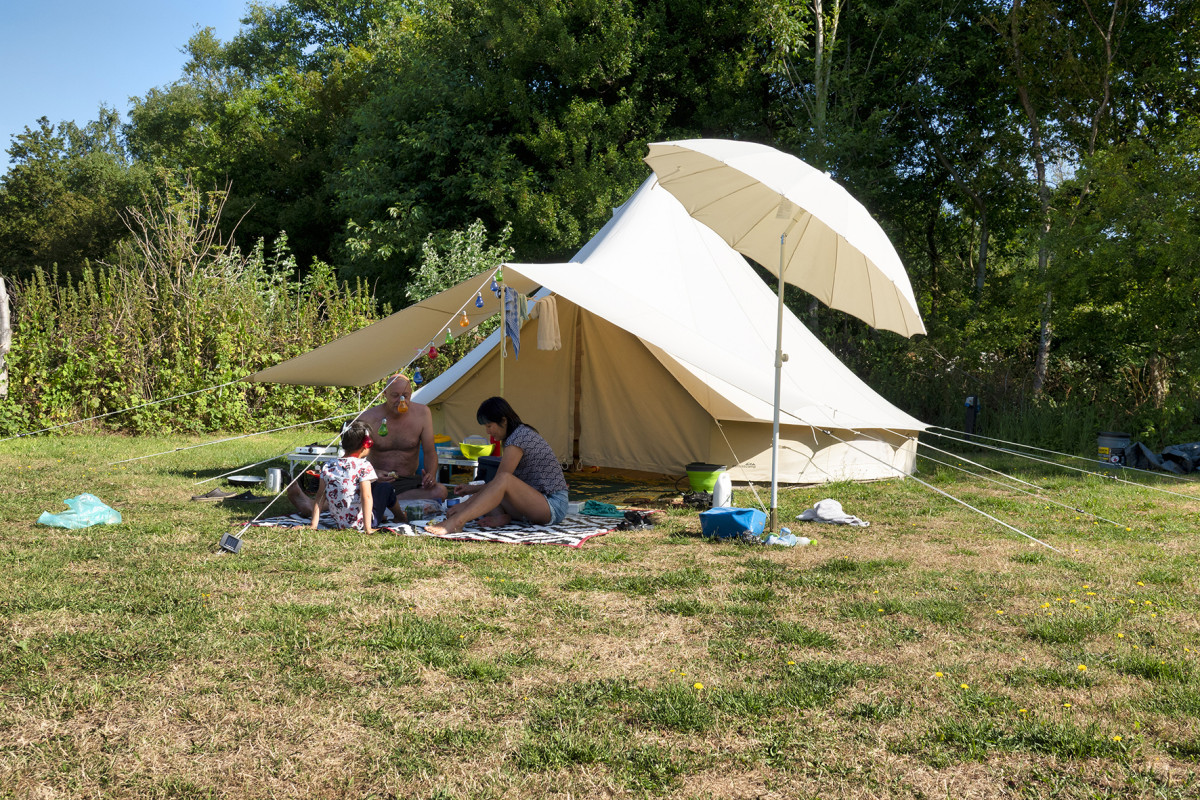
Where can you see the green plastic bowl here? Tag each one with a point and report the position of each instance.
(474, 451)
(703, 477)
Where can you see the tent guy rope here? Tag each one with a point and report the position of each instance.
(359, 413)
(1161, 474)
(1065, 466)
(230, 439)
(122, 411)
(1066, 455)
(973, 463)
(1010, 487)
(928, 485)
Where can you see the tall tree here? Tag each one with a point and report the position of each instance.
(1131, 266)
(534, 114)
(264, 114)
(1061, 59)
(59, 200)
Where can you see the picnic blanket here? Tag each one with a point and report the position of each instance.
(572, 531)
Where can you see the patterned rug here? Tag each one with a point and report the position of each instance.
(573, 531)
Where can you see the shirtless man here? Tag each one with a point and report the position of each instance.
(395, 454)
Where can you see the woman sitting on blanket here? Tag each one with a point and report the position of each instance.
(529, 484)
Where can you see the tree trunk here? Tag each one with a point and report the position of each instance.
(1045, 332)
(5, 338)
(981, 266)
(1037, 149)
(820, 82)
(976, 199)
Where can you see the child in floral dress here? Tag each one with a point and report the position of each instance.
(345, 489)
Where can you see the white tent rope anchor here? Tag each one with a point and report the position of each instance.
(941, 492)
(1064, 466)
(121, 411)
(1071, 455)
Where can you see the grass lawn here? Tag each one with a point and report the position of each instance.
(933, 654)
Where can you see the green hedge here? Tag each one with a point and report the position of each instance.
(144, 330)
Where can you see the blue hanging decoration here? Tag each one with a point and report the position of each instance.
(495, 287)
(479, 300)
(417, 376)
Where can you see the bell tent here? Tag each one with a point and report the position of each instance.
(666, 357)
(667, 348)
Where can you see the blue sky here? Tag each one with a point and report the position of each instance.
(62, 58)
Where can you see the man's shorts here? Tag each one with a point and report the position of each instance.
(383, 495)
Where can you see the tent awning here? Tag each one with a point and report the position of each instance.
(380, 349)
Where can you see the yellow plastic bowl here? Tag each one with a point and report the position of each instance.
(474, 451)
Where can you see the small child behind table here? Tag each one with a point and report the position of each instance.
(345, 488)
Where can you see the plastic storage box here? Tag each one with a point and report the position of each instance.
(724, 522)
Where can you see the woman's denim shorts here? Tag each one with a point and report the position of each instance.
(558, 506)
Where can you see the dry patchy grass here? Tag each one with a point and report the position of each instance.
(932, 654)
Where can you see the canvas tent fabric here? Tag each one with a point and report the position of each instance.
(668, 352)
(380, 349)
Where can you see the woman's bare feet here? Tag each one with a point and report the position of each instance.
(494, 520)
(443, 528)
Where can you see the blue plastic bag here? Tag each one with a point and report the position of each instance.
(86, 510)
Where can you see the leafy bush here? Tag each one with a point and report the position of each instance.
(177, 312)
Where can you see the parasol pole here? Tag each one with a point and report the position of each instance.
(779, 359)
(503, 298)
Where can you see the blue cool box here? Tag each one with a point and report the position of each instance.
(724, 522)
